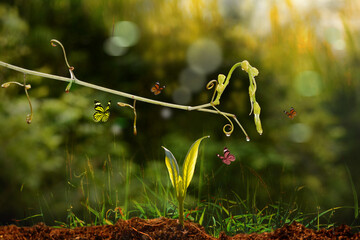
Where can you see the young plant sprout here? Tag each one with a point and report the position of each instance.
(181, 181)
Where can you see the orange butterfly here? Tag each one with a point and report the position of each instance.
(156, 89)
(291, 114)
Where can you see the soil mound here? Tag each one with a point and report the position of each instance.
(163, 228)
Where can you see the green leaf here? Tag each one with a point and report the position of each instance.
(172, 167)
(190, 162)
(356, 203)
(202, 217)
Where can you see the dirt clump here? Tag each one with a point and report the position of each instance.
(163, 228)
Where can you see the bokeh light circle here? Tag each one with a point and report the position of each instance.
(195, 81)
(204, 55)
(112, 48)
(116, 129)
(166, 113)
(182, 95)
(308, 83)
(300, 133)
(127, 33)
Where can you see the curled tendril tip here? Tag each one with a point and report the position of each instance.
(210, 85)
(54, 43)
(229, 125)
(121, 104)
(228, 133)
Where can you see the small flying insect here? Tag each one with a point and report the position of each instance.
(156, 89)
(228, 157)
(101, 114)
(291, 114)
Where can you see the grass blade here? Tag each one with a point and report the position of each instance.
(356, 203)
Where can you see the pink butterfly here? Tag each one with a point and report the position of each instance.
(227, 158)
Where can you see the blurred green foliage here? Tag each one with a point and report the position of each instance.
(308, 58)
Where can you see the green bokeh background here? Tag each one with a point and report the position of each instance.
(308, 58)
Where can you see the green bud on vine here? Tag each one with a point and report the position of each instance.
(257, 110)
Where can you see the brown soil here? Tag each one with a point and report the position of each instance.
(163, 228)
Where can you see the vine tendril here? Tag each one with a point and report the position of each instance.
(237, 121)
(135, 131)
(210, 85)
(121, 104)
(26, 87)
(7, 84)
(54, 43)
(228, 125)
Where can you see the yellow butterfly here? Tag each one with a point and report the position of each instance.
(101, 114)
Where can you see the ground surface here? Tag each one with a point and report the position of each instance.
(162, 228)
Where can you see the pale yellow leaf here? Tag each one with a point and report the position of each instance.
(190, 162)
(172, 168)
